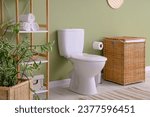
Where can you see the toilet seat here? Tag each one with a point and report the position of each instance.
(88, 57)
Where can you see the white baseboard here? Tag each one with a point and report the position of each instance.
(59, 83)
(147, 69)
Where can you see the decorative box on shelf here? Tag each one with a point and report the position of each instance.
(38, 82)
(125, 59)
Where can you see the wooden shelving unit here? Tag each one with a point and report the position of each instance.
(43, 29)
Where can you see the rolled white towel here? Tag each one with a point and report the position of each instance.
(25, 26)
(27, 18)
(34, 26)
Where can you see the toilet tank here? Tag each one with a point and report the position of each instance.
(70, 42)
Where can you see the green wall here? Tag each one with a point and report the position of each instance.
(98, 20)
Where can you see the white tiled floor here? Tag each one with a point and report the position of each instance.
(63, 93)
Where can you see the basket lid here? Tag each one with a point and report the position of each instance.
(127, 39)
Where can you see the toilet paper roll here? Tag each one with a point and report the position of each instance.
(97, 45)
(27, 18)
(34, 26)
(25, 26)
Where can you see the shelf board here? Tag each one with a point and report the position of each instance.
(39, 31)
(43, 90)
(38, 60)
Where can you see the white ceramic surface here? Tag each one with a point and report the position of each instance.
(85, 66)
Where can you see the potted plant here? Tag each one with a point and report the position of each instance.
(14, 70)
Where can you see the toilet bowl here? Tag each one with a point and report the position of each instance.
(85, 66)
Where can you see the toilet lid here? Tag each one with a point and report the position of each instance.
(88, 57)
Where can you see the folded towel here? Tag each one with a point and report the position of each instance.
(25, 26)
(34, 26)
(27, 18)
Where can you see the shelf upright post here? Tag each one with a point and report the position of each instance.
(1, 11)
(31, 34)
(17, 36)
(47, 53)
(17, 19)
(31, 6)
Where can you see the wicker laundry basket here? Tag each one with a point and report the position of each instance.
(126, 59)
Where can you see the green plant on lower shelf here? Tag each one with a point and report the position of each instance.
(14, 55)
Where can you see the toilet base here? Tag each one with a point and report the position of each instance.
(84, 86)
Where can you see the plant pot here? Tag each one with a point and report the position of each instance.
(21, 91)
